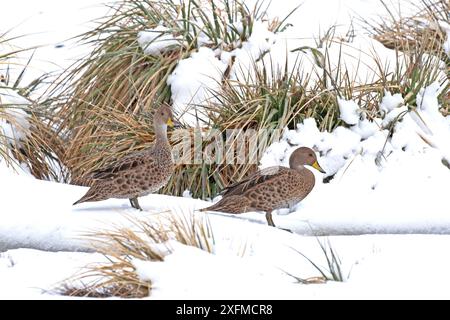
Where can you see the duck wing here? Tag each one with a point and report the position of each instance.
(127, 163)
(255, 179)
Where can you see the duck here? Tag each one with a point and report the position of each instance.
(139, 173)
(271, 188)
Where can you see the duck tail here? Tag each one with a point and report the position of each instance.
(232, 204)
(90, 196)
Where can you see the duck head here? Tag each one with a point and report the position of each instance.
(304, 156)
(163, 117)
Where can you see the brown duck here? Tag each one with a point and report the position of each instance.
(271, 188)
(137, 174)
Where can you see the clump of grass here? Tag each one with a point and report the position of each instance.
(422, 31)
(5, 116)
(331, 272)
(118, 85)
(29, 142)
(420, 38)
(124, 248)
(245, 115)
(262, 107)
(102, 111)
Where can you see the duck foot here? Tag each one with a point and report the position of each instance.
(135, 204)
(272, 224)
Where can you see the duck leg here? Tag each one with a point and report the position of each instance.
(270, 219)
(271, 223)
(135, 203)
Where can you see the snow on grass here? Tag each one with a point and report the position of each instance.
(434, 128)
(372, 264)
(194, 82)
(349, 111)
(14, 123)
(197, 79)
(156, 41)
(363, 59)
(259, 43)
(391, 101)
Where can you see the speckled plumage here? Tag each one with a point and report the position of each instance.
(137, 174)
(271, 188)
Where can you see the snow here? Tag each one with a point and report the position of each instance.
(363, 58)
(434, 128)
(14, 123)
(366, 128)
(46, 25)
(383, 207)
(447, 44)
(33, 274)
(194, 82)
(371, 264)
(391, 101)
(249, 255)
(349, 111)
(197, 79)
(156, 41)
(260, 42)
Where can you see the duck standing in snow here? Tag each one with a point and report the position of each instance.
(271, 188)
(140, 173)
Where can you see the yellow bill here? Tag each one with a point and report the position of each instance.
(317, 166)
(170, 123)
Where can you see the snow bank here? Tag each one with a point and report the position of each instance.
(251, 51)
(252, 261)
(369, 265)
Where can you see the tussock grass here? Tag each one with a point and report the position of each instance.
(249, 113)
(106, 109)
(34, 144)
(331, 272)
(5, 59)
(422, 31)
(117, 84)
(421, 37)
(102, 107)
(124, 248)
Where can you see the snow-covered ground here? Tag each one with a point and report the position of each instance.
(385, 211)
(38, 214)
(40, 237)
(46, 27)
